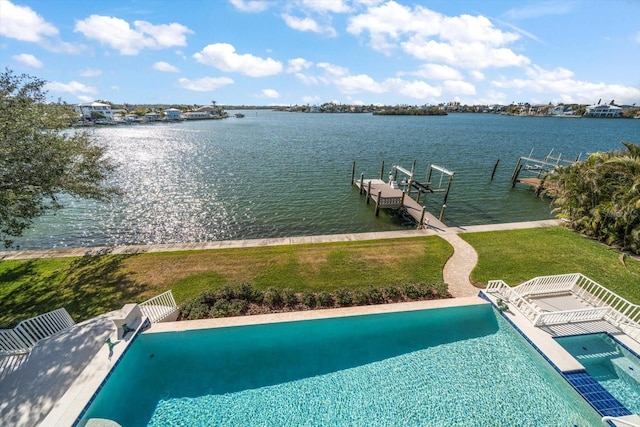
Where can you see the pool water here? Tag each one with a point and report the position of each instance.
(609, 363)
(454, 366)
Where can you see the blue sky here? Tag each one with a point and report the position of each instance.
(315, 51)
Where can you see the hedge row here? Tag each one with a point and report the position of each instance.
(244, 299)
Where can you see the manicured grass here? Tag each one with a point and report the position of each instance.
(89, 286)
(519, 255)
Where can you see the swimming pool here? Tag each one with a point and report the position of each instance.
(450, 366)
(609, 363)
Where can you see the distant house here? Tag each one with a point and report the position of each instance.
(93, 110)
(197, 115)
(152, 117)
(603, 110)
(172, 114)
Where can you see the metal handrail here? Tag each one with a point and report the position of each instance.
(159, 307)
(618, 421)
(29, 332)
(605, 304)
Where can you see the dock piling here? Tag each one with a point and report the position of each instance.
(421, 223)
(382, 170)
(368, 191)
(353, 172)
(495, 167)
(361, 182)
(378, 202)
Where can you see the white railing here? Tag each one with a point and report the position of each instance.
(390, 202)
(509, 295)
(12, 343)
(618, 421)
(604, 304)
(571, 316)
(29, 332)
(159, 307)
(623, 314)
(547, 284)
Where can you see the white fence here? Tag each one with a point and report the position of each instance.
(29, 332)
(159, 307)
(511, 296)
(604, 304)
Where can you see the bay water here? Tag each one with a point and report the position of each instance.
(275, 174)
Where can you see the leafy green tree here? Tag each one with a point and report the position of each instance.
(40, 159)
(600, 197)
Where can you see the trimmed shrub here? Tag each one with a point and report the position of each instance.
(289, 298)
(248, 293)
(238, 307)
(226, 293)
(273, 298)
(325, 299)
(375, 296)
(309, 299)
(343, 297)
(360, 297)
(392, 293)
(411, 291)
(220, 308)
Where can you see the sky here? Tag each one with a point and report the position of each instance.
(309, 52)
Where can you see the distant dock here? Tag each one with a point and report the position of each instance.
(390, 195)
(537, 169)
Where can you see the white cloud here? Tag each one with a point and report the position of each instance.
(71, 87)
(28, 60)
(85, 98)
(540, 10)
(165, 66)
(467, 55)
(413, 89)
(223, 56)
(310, 99)
(251, 6)
(459, 87)
(22, 23)
(334, 6)
(307, 24)
(270, 93)
(438, 72)
(301, 24)
(306, 79)
(205, 84)
(118, 34)
(462, 41)
(89, 72)
(477, 75)
(298, 64)
(561, 83)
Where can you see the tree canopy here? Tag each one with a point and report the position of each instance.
(40, 158)
(600, 197)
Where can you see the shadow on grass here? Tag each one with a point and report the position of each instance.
(87, 286)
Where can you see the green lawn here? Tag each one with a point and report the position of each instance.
(518, 255)
(89, 286)
(93, 285)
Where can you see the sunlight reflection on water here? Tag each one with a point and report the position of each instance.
(279, 174)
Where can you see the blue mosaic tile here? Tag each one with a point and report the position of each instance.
(590, 390)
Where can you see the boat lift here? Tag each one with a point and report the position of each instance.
(425, 187)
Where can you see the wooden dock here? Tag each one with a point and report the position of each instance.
(387, 197)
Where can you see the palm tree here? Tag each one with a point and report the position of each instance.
(600, 197)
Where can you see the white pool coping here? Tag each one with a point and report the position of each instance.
(64, 411)
(292, 316)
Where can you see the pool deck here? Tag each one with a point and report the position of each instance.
(76, 361)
